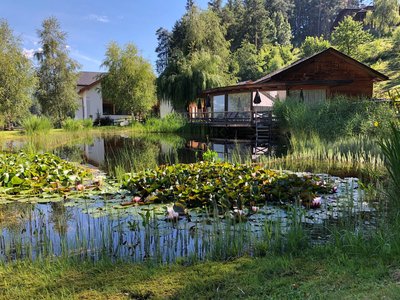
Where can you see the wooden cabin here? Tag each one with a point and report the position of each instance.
(312, 79)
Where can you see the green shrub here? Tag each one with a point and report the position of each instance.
(170, 123)
(35, 124)
(390, 146)
(211, 156)
(75, 125)
(338, 117)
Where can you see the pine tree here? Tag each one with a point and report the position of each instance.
(163, 49)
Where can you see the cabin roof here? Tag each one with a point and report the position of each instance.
(375, 74)
(274, 76)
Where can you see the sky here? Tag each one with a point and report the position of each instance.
(92, 24)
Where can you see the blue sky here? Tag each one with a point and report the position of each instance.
(91, 24)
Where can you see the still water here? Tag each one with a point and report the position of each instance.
(98, 226)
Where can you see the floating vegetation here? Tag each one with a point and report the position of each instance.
(34, 174)
(223, 185)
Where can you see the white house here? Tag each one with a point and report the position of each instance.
(91, 102)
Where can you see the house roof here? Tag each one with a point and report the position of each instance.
(375, 74)
(273, 77)
(353, 12)
(87, 78)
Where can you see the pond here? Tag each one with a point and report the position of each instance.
(98, 225)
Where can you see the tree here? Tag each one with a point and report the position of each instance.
(385, 16)
(349, 35)
(130, 80)
(283, 32)
(250, 66)
(163, 49)
(312, 45)
(199, 58)
(257, 25)
(17, 78)
(57, 73)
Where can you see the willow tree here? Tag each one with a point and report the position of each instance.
(130, 80)
(57, 73)
(199, 58)
(17, 78)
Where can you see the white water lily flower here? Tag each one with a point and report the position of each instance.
(171, 213)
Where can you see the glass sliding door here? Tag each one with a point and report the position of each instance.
(218, 106)
(239, 104)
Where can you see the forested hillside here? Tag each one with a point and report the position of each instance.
(239, 40)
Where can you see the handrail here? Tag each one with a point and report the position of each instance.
(230, 117)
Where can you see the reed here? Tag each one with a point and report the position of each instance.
(36, 125)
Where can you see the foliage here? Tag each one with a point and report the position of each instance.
(390, 146)
(349, 35)
(337, 117)
(57, 73)
(396, 39)
(211, 156)
(36, 124)
(385, 16)
(184, 78)
(198, 58)
(222, 185)
(75, 125)
(130, 81)
(312, 45)
(314, 18)
(170, 123)
(253, 64)
(34, 174)
(17, 78)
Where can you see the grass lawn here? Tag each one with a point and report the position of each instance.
(273, 277)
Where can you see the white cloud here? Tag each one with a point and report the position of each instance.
(79, 56)
(29, 53)
(97, 18)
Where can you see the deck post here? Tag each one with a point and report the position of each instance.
(251, 108)
(226, 109)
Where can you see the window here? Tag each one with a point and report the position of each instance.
(309, 96)
(219, 106)
(108, 109)
(239, 103)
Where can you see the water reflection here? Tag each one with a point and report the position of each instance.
(122, 153)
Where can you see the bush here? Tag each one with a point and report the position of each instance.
(36, 124)
(105, 121)
(170, 123)
(336, 117)
(75, 125)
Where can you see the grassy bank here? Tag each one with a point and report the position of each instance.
(316, 274)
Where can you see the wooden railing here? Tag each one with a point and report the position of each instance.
(247, 118)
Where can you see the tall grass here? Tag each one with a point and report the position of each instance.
(357, 156)
(335, 118)
(75, 125)
(36, 125)
(169, 124)
(390, 146)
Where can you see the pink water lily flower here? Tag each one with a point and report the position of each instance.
(80, 187)
(255, 209)
(136, 199)
(316, 203)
